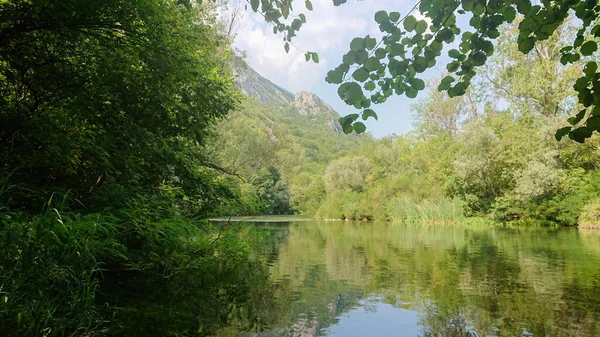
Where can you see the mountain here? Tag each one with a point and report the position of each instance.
(252, 84)
(274, 149)
(303, 103)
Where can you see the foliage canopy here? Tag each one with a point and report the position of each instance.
(373, 70)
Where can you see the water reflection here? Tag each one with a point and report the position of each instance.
(380, 279)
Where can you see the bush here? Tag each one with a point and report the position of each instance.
(590, 214)
(66, 274)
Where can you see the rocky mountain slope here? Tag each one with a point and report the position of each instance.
(303, 103)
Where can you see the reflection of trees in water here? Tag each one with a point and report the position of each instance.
(436, 324)
(465, 281)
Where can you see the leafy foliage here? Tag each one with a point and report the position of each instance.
(97, 98)
(411, 46)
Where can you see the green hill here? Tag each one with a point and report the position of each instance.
(275, 148)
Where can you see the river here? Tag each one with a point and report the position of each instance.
(334, 278)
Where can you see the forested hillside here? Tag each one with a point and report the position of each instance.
(489, 154)
(274, 149)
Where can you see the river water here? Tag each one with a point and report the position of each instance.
(334, 278)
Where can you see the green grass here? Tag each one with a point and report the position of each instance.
(441, 210)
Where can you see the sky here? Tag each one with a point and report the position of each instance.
(328, 31)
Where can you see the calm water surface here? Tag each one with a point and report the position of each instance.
(380, 279)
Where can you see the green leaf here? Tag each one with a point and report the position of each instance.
(296, 24)
(411, 92)
(350, 92)
(302, 17)
(409, 23)
(452, 66)
(421, 27)
(417, 83)
(589, 48)
(593, 123)
(337, 75)
(368, 113)
(359, 127)
(357, 44)
(370, 42)
(346, 123)
(445, 83)
(308, 5)
(478, 58)
(307, 57)
(370, 86)
(590, 68)
(254, 4)
(360, 56)
(420, 64)
(287, 47)
(464, 47)
(581, 84)
(580, 134)
(575, 120)
(380, 53)
(454, 53)
(381, 17)
(285, 11)
(394, 16)
(510, 14)
(562, 132)
(348, 58)
(468, 5)
(372, 63)
(361, 74)
(526, 45)
(315, 57)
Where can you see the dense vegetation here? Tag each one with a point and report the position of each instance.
(105, 110)
(121, 130)
(492, 150)
(393, 63)
(490, 153)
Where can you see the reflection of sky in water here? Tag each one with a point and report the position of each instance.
(346, 279)
(376, 319)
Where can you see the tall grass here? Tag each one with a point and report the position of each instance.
(442, 210)
(48, 272)
(140, 268)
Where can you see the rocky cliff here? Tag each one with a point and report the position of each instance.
(304, 103)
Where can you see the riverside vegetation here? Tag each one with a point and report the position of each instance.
(121, 128)
(491, 153)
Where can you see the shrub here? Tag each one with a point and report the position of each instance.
(590, 214)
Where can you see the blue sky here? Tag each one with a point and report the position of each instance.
(328, 31)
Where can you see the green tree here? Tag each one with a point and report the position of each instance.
(373, 70)
(110, 93)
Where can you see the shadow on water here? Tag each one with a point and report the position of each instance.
(324, 278)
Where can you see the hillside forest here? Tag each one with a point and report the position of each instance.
(124, 126)
(490, 154)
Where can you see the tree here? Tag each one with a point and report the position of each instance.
(104, 93)
(374, 70)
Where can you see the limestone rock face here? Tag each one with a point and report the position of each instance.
(308, 104)
(252, 84)
(304, 103)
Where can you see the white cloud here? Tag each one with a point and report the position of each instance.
(328, 31)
